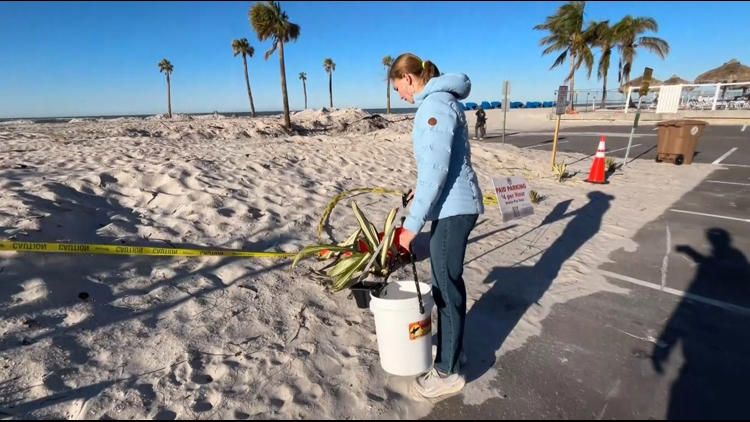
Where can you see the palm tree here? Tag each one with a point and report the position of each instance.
(303, 77)
(166, 67)
(329, 66)
(270, 21)
(566, 33)
(628, 31)
(605, 38)
(241, 46)
(388, 62)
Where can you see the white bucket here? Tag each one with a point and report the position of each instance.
(404, 335)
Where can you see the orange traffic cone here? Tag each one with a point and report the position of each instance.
(598, 171)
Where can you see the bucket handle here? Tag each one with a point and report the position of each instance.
(416, 279)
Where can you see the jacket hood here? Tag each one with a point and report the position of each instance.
(457, 84)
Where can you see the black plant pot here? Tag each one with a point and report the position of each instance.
(361, 292)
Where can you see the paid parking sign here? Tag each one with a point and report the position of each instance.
(513, 197)
(562, 97)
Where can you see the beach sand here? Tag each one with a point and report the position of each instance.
(215, 337)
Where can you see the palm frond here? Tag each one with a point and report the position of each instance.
(270, 50)
(560, 59)
(655, 45)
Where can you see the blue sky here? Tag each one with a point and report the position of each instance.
(100, 58)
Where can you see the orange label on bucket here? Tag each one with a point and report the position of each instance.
(420, 328)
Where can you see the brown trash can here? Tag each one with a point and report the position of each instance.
(677, 140)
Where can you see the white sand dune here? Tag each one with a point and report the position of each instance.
(246, 338)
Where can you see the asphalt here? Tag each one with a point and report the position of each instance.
(676, 347)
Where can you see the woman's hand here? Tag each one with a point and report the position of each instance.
(405, 239)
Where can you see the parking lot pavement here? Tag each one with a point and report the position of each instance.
(713, 144)
(676, 346)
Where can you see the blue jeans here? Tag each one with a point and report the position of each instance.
(448, 238)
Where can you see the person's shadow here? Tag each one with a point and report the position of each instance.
(515, 289)
(712, 383)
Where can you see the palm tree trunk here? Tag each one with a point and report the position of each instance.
(304, 89)
(572, 81)
(388, 94)
(287, 122)
(330, 87)
(604, 91)
(247, 82)
(169, 97)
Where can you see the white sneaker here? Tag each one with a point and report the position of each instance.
(432, 384)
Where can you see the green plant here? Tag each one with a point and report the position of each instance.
(534, 197)
(611, 164)
(350, 257)
(560, 171)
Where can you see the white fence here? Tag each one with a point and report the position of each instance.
(698, 97)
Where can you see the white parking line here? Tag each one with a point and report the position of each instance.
(726, 154)
(736, 165)
(545, 143)
(680, 293)
(743, 128)
(620, 149)
(728, 183)
(588, 134)
(746, 220)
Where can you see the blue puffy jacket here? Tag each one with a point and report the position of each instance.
(446, 182)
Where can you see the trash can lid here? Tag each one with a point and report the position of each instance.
(682, 122)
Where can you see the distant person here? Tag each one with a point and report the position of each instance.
(447, 193)
(479, 129)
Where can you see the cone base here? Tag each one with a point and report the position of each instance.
(598, 183)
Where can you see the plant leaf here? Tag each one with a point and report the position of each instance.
(310, 250)
(351, 239)
(387, 237)
(343, 265)
(346, 279)
(371, 235)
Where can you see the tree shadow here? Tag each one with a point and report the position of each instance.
(712, 383)
(492, 318)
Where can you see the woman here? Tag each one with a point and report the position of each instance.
(446, 193)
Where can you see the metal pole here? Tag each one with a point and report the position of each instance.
(505, 108)
(632, 130)
(627, 99)
(554, 143)
(716, 96)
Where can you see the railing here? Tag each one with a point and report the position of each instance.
(692, 97)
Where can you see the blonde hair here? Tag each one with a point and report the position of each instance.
(410, 63)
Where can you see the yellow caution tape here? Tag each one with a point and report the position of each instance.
(86, 248)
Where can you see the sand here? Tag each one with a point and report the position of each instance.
(242, 338)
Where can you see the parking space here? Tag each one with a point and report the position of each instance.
(699, 246)
(715, 142)
(709, 227)
(676, 345)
